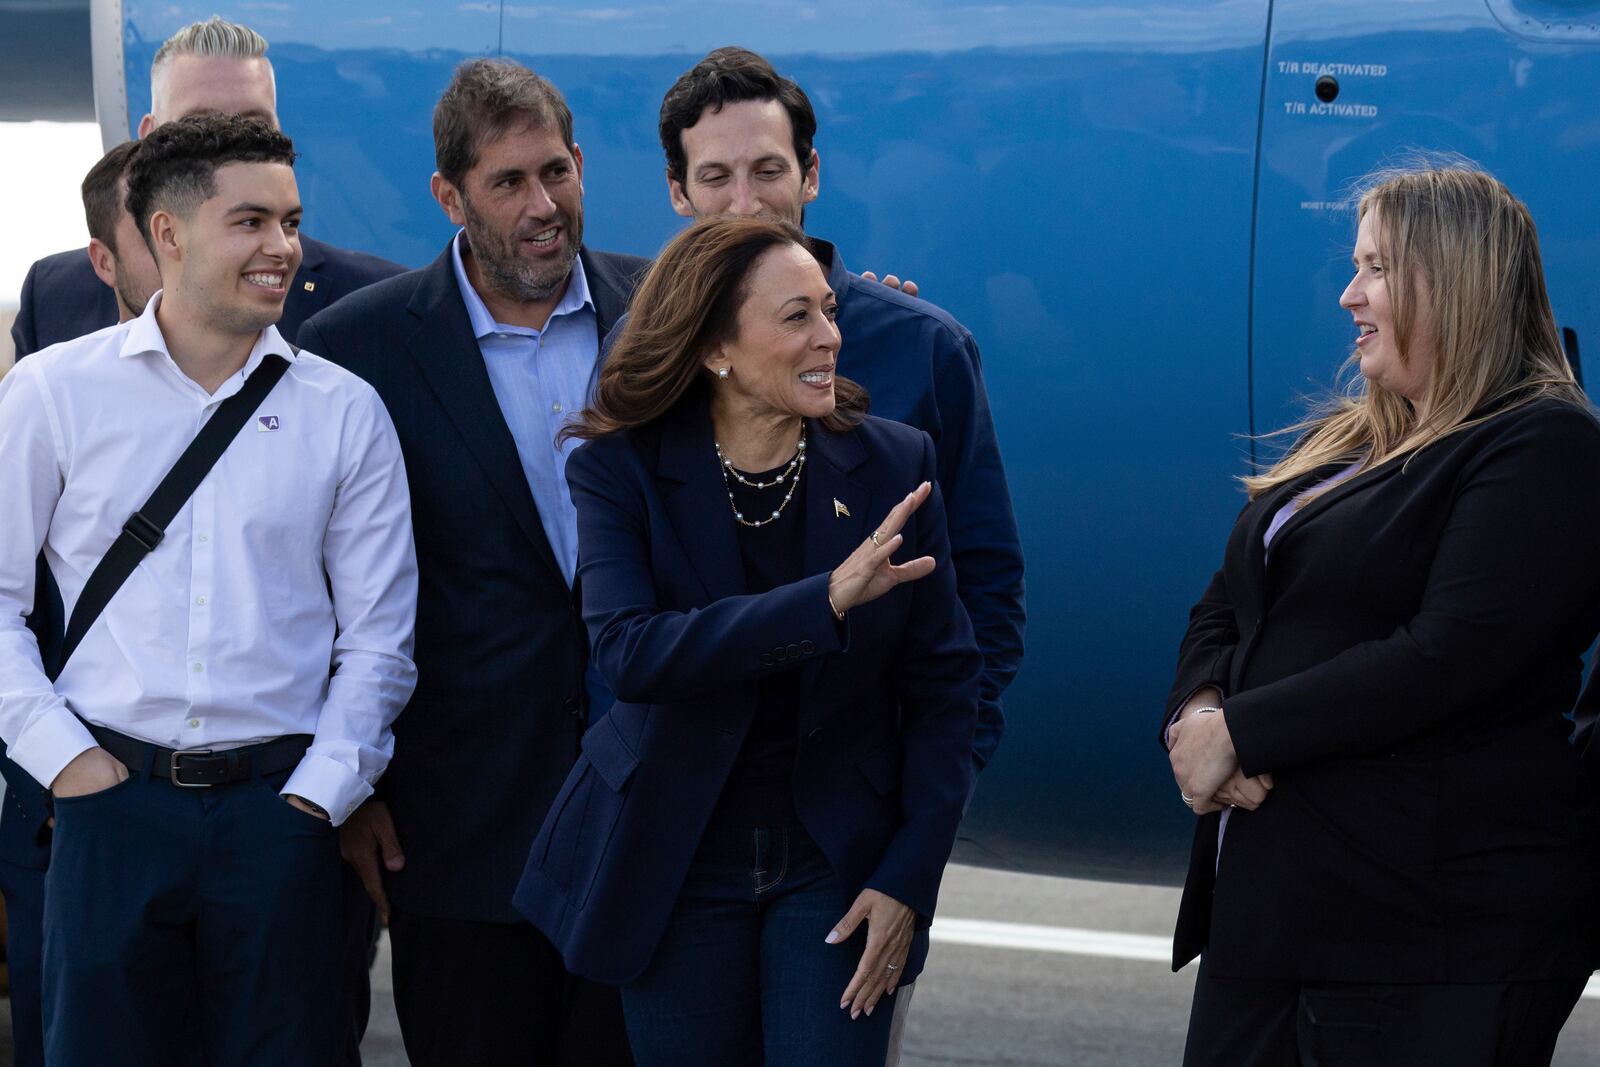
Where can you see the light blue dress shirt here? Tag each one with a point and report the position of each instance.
(542, 379)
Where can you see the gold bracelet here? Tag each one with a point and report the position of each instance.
(837, 614)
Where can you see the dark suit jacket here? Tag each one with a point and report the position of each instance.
(889, 700)
(63, 298)
(921, 367)
(493, 727)
(1402, 667)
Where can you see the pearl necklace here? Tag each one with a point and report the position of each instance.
(790, 474)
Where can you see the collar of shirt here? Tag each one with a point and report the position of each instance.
(484, 324)
(144, 338)
(832, 265)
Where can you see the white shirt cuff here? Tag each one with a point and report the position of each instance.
(50, 742)
(329, 784)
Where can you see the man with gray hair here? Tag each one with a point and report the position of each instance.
(214, 65)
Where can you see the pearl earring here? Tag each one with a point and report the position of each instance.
(722, 373)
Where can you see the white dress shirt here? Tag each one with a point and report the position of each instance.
(292, 560)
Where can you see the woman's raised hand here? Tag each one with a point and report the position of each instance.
(867, 574)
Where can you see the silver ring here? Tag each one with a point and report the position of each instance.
(892, 967)
(1187, 799)
(875, 535)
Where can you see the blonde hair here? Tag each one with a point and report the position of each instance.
(1473, 247)
(215, 36)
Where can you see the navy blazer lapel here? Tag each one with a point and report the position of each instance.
(609, 293)
(310, 287)
(697, 499)
(452, 364)
(841, 512)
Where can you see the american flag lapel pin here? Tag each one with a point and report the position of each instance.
(839, 510)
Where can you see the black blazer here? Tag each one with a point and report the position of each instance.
(888, 705)
(493, 727)
(63, 298)
(1403, 666)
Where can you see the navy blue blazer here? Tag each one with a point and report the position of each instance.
(63, 298)
(889, 698)
(921, 367)
(493, 726)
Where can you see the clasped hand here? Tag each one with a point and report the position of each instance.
(866, 574)
(1206, 766)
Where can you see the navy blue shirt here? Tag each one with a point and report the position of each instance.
(921, 367)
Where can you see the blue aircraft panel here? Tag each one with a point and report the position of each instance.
(1519, 107)
(1074, 184)
(1134, 207)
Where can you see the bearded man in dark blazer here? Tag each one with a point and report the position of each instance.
(481, 358)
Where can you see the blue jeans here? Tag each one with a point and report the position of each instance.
(743, 975)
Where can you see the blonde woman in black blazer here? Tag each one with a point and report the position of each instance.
(1395, 860)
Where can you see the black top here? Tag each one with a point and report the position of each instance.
(760, 788)
(1402, 666)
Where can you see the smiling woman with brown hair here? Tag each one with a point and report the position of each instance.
(1396, 857)
(752, 841)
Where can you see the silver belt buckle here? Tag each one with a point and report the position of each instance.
(173, 767)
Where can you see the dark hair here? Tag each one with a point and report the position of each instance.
(688, 302)
(484, 98)
(102, 193)
(730, 76)
(175, 168)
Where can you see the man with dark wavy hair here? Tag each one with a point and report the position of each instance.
(738, 138)
(198, 752)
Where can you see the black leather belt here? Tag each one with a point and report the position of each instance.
(202, 767)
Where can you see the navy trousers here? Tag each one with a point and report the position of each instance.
(743, 977)
(24, 892)
(178, 919)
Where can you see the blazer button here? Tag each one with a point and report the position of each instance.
(572, 706)
(807, 648)
(794, 651)
(765, 659)
(780, 653)
(814, 734)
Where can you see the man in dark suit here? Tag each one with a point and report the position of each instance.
(207, 66)
(481, 358)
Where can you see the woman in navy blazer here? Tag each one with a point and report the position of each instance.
(1395, 862)
(752, 840)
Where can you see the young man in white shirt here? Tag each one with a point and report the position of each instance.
(198, 749)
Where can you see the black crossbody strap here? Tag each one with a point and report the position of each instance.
(145, 528)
